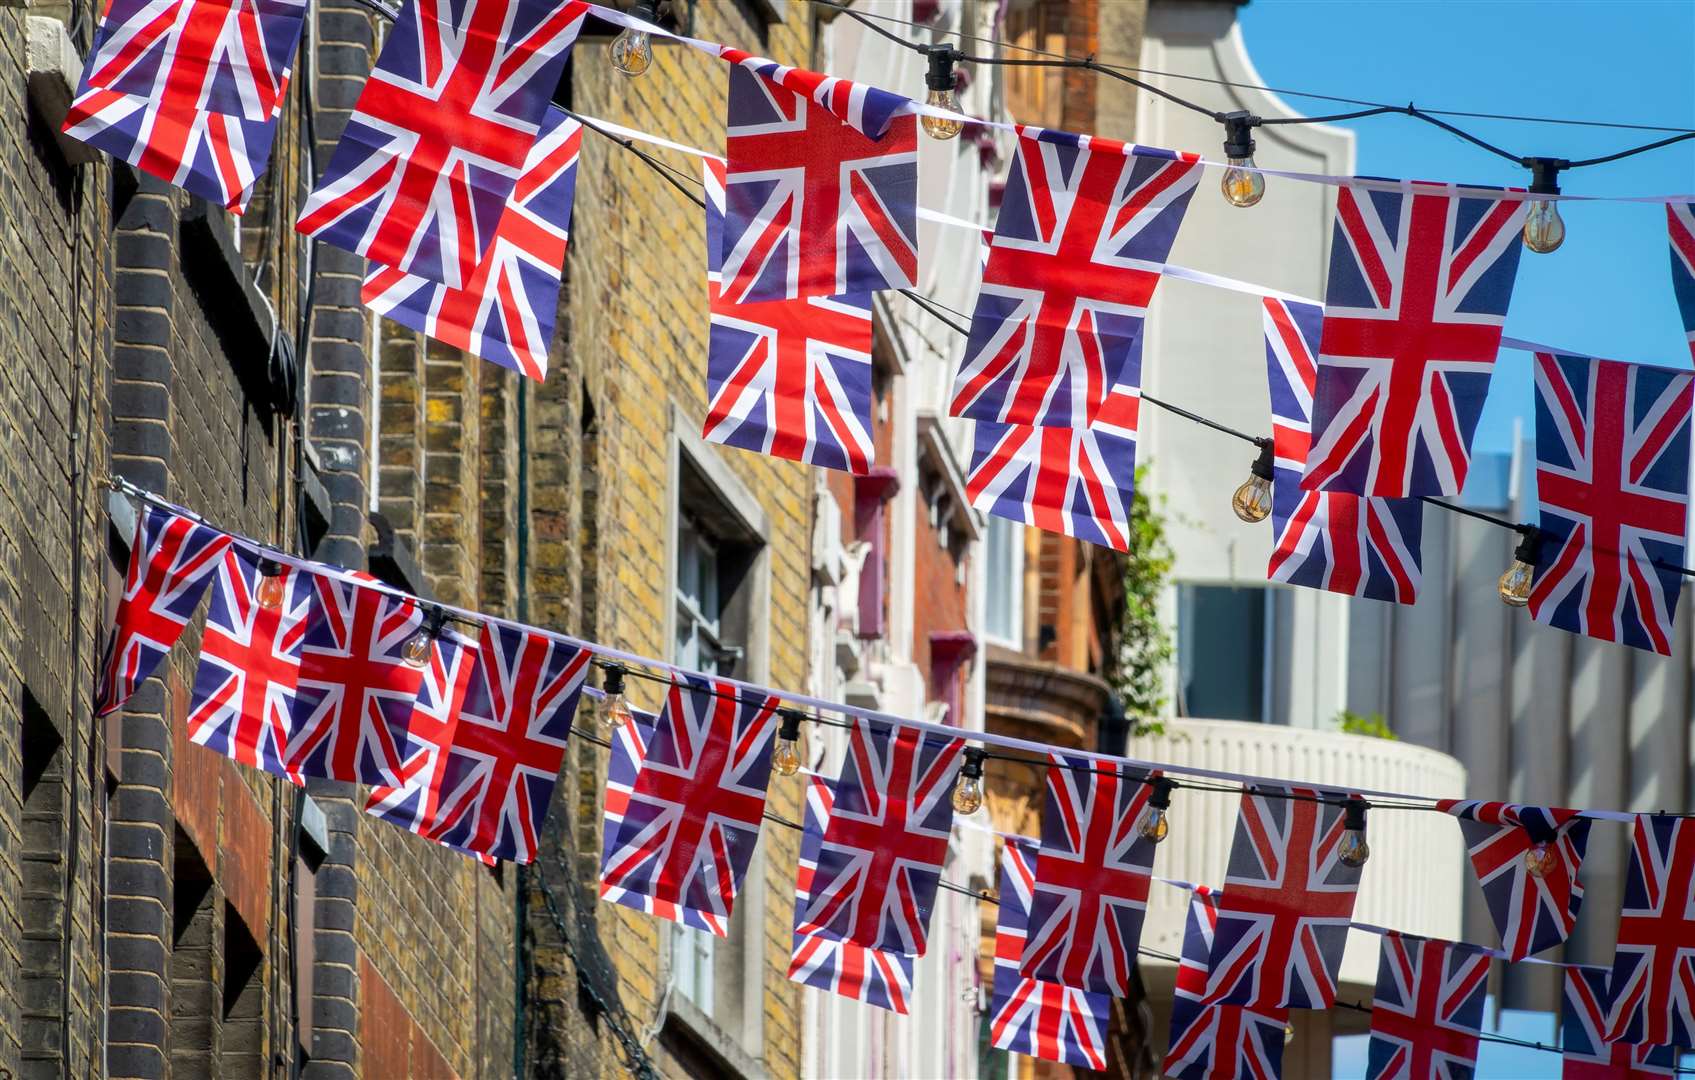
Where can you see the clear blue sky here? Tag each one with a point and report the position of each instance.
(1607, 291)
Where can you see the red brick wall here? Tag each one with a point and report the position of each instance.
(939, 603)
(391, 1042)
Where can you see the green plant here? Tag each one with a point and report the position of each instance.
(1143, 653)
(1372, 727)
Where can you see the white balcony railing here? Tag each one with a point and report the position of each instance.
(1413, 881)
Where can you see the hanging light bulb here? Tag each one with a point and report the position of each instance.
(1354, 851)
(1541, 858)
(614, 708)
(416, 651)
(1252, 501)
(1155, 822)
(1288, 1033)
(940, 83)
(1521, 575)
(786, 757)
(1544, 230)
(273, 586)
(968, 792)
(631, 52)
(1242, 183)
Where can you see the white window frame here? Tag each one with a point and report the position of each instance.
(1014, 533)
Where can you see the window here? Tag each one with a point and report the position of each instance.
(719, 600)
(1222, 642)
(1003, 598)
(1035, 95)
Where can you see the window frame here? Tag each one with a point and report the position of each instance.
(1015, 537)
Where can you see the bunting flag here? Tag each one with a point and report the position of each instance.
(1533, 912)
(1680, 224)
(1216, 1042)
(1092, 877)
(1583, 1025)
(1084, 230)
(171, 559)
(1650, 995)
(1029, 1016)
(355, 690)
(244, 687)
(439, 135)
(479, 777)
(880, 859)
(506, 310)
(1288, 897)
(790, 378)
(1418, 290)
(821, 199)
(189, 91)
(680, 840)
(1428, 1009)
(1080, 482)
(1351, 544)
(881, 977)
(1612, 480)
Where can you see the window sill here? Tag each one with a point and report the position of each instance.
(702, 1047)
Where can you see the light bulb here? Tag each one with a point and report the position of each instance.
(1544, 231)
(1288, 1033)
(615, 711)
(1155, 825)
(1516, 582)
(786, 757)
(416, 651)
(273, 586)
(631, 51)
(1541, 858)
(1252, 501)
(1353, 851)
(1241, 184)
(941, 127)
(968, 792)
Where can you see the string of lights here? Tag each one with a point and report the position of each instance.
(990, 897)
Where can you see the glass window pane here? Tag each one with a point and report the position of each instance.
(1221, 651)
(1003, 552)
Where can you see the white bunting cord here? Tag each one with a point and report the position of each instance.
(1406, 801)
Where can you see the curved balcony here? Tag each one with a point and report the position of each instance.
(1413, 881)
(1042, 701)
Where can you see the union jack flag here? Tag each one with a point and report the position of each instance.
(1650, 995)
(1419, 284)
(421, 177)
(1680, 223)
(506, 310)
(1288, 896)
(1076, 481)
(1030, 1016)
(189, 90)
(249, 662)
(1217, 1042)
(880, 858)
(816, 205)
(414, 801)
(171, 560)
(1583, 1025)
(1532, 913)
(881, 977)
(1084, 230)
(487, 789)
(1612, 478)
(787, 377)
(1092, 877)
(355, 691)
(681, 838)
(1428, 1010)
(1331, 540)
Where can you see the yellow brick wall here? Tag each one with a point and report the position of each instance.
(638, 338)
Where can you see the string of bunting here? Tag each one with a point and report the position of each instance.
(311, 671)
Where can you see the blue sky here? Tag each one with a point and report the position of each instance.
(1607, 291)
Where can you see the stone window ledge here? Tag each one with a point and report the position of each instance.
(703, 1047)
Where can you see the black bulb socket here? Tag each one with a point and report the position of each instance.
(1239, 134)
(1262, 464)
(612, 678)
(1353, 814)
(791, 724)
(1545, 174)
(941, 74)
(1529, 549)
(270, 567)
(973, 766)
(1160, 797)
